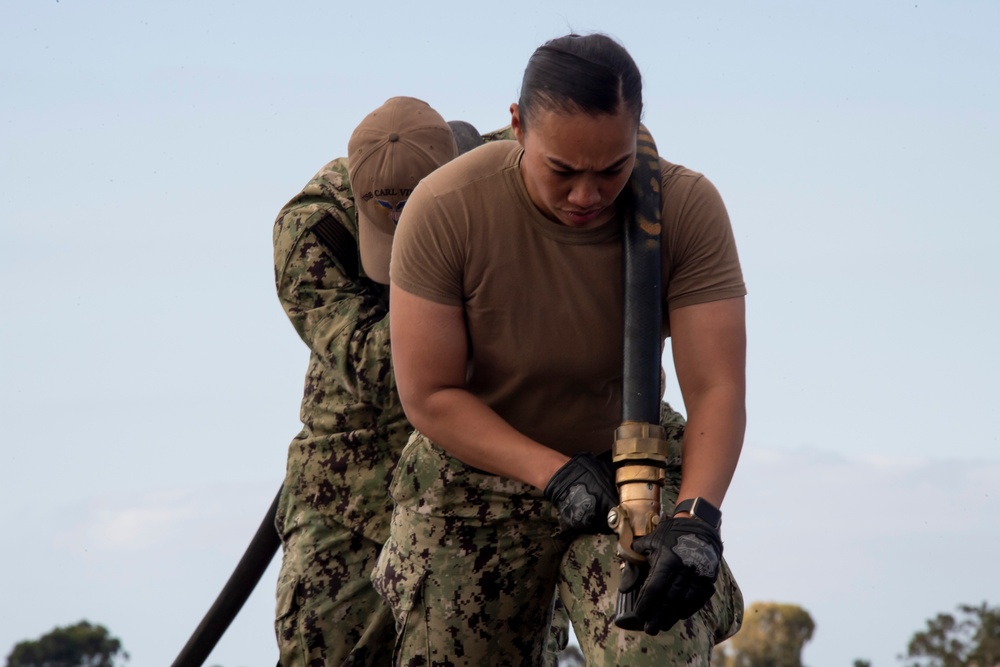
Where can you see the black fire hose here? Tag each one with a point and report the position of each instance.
(640, 448)
(234, 594)
(643, 300)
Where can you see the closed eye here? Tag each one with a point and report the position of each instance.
(607, 173)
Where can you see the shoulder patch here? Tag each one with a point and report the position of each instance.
(338, 241)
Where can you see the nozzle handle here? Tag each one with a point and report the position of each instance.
(625, 617)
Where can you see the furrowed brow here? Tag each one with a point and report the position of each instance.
(562, 166)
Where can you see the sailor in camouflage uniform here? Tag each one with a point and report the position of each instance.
(334, 509)
(333, 514)
(507, 346)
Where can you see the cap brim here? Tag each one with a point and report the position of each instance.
(376, 248)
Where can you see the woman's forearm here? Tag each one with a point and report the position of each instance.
(430, 359)
(713, 440)
(709, 345)
(469, 430)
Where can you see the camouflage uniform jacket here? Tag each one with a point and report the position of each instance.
(340, 464)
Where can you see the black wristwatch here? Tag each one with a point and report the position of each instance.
(701, 509)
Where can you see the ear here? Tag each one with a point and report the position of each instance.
(515, 123)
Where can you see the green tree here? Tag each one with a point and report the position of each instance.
(986, 652)
(969, 639)
(80, 645)
(772, 635)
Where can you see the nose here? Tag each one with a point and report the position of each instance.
(584, 194)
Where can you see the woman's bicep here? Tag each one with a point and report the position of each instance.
(709, 346)
(429, 348)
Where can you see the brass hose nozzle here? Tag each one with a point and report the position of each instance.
(640, 456)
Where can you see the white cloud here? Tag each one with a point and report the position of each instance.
(113, 524)
(870, 547)
(161, 519)
(819, 491)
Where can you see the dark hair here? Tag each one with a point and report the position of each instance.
(589, 73)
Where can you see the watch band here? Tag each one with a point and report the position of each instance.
(701, 509)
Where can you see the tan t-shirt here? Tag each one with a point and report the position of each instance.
(543, 302)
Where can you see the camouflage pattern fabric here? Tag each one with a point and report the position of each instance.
(503, 134)
(333, 514)
(473, 561)
(353, 425)
(327, 611)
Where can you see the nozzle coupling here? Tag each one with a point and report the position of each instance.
(640, 455)
(639, 441)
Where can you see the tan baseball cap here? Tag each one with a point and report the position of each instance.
(390, 151)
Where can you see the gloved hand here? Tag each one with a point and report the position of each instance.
(683, 557)
(583, 491)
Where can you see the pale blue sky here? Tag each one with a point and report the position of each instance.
(149, 381)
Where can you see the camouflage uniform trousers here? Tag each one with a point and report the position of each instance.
(328, 614)
(473, 561)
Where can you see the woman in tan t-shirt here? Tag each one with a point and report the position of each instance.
(493, 509)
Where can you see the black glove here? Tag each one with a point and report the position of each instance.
(583, 491)
(683, 557)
